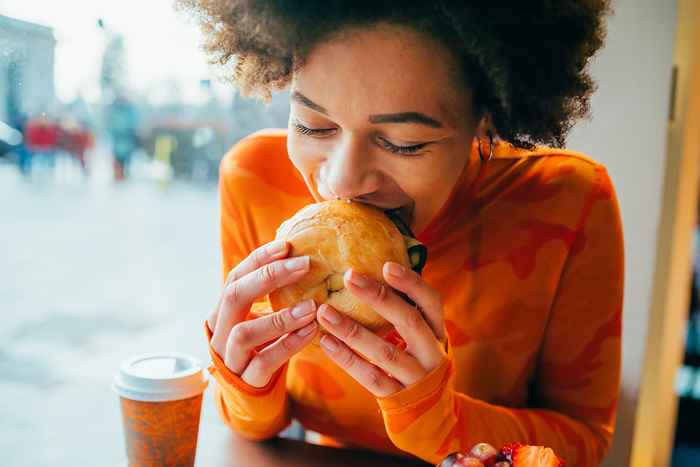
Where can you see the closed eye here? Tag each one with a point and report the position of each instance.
(304, 130)
(396, 149)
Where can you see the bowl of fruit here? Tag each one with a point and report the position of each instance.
(511, 455)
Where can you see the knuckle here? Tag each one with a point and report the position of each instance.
(390, 353)
(256, 369)
(277, 322)
(349, 359)
(241, 336)
(353, 330)
(413, 319)
(232, 293)
(288, 344)
(377, 379)
(267, 274)
(231, 276)
(381, 293)
(259, 257)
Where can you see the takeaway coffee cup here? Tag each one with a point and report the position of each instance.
(161, 400)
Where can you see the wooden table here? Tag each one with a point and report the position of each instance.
(219, 446)
(232, 451)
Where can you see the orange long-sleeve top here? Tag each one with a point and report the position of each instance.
(527, 254)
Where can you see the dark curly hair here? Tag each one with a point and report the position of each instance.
(525, 61)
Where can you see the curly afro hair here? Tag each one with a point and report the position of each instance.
(525, 61)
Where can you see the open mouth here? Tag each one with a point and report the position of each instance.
(405, 213)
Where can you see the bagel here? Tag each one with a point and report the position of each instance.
(339, 235)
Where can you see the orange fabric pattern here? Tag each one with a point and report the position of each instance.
(527, 255)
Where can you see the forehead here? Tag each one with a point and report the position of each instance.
(383, 69)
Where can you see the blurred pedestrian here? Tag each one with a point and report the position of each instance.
(24, 155)
(42, 139)
(122, 125)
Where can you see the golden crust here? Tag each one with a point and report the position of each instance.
(337, 236)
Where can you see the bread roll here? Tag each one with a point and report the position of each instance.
(337, 236)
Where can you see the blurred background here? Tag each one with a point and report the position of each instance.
(112, 126)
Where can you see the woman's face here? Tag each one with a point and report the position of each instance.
(378, 116)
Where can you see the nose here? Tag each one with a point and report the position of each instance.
(350, 172)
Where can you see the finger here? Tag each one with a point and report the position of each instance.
(258, 258)
(267, 361)
(409, 321)
(405, 368)
(214, 315)
(368, 375)
(245, 337)
(426, 297)
(239, 294)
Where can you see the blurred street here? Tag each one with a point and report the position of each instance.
(92, 272)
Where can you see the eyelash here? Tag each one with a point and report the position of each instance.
(303, 130)
(311, 131)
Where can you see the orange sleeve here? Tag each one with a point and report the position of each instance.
(255, 413)
(576, 383)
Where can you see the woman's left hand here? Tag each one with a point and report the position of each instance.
(375, 363)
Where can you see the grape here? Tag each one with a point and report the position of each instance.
(469, 462)
(485, 453)
(450, 461)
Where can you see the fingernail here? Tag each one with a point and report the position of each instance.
(303, 309)
(329, 344)
(306, 330)
(357, 279)
(276, 248)
(395, 269)
(331, 315)
(297, 264)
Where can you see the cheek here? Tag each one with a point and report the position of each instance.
(427, 181)
(303, 156)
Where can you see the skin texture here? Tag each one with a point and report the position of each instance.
(351, 153)
(402, 71)
(357, 126)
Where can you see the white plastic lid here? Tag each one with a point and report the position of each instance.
(160, 376)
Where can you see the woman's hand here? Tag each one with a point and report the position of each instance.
(239, 341)
(378, 365)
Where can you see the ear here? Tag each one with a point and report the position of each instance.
(485, 127)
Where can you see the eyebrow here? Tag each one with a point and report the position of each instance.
(406, 117)
(303, 100)
(402, 117)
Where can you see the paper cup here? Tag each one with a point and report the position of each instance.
(161, 401)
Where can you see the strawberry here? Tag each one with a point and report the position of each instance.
(530, 456)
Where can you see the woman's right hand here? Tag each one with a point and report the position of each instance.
(236, 339)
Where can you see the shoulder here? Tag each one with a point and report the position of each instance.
(260, 161)
(575, 173)
(253, 149)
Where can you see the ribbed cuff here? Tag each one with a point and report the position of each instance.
(232, 378)
(435, 381)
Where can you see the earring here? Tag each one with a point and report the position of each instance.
(481, 154)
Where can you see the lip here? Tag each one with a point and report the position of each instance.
(405, 212)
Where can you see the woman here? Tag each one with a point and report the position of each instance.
(452, 112)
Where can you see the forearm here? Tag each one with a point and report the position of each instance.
(255, 413)
(431, 420)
